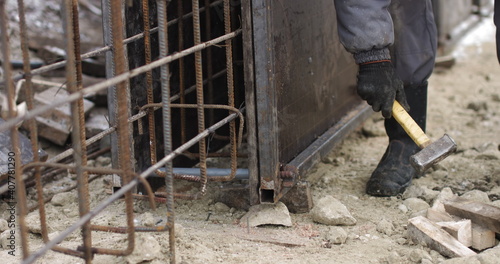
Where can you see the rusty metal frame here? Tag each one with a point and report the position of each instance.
(119, 74)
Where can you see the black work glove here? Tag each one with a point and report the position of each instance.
(379, 86)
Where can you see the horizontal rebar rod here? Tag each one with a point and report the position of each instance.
(129, 186)
(117, 79)
(241, 174)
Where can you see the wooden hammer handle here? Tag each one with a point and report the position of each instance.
(410, 126)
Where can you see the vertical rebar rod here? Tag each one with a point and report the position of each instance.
(123, 128)
(199, 95)
(182, 92)
(208, 52)
(73, 84)
(149, 80)
(230, 83)
(167, 131)
(110, 72)
(10, 89)
(33, 129)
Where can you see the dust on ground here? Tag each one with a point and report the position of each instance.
(464, 102)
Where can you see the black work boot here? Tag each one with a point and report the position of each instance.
(394, 171)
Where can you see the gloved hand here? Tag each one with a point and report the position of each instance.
(379, 86)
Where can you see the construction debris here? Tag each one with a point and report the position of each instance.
(55, 124)
(454, 225)
(330, 211)
(461, 230)
(299, 198)
(97, 121)
(267, 214)
(422, 230)
(482, 238)
(6, 148)
(480, 213)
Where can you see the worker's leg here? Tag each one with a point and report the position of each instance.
(413, 55)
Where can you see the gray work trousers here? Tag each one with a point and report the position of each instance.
(415, 40)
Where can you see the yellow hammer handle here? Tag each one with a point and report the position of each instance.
(410, 126)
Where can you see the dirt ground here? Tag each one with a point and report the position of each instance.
(464, 101)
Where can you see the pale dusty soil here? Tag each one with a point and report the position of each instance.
(464, 102)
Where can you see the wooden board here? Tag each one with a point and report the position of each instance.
(461, 230)
(480, 213)
(422, 230)
(482, 238)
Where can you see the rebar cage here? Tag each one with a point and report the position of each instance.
(182, 57)
(258, 83)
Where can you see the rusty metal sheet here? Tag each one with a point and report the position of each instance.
(305, 80)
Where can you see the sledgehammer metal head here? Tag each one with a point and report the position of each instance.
(433, 153)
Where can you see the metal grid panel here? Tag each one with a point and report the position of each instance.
(122, 118)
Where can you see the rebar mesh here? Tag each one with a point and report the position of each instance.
(166, 70)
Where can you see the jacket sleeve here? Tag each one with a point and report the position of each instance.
(365, 28)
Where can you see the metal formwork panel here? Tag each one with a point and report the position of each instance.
(453, 19)
(305, 85)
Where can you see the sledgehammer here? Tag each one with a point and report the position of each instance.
(432, 152)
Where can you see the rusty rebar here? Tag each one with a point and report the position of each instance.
(167, 131)
(33, 129)
(182, 92)
(123, 128)
(199, 94)
(12, 113)
(209, 62)
(149, 81)
(74, 84)
(117, 79)
(209, 106)
(106, 48)
(230, 90)
(126, 188)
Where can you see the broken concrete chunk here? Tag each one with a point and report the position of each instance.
(147, 249)
(267, 214)
(445, 194)
(422, 230)
(416, 204)
(385, 227)
(476, 195)
(221, 207)
(336, 235)
(6, 151)
(61, 199)
(330, 211)
(32, 221)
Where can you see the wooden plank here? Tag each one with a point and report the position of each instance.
(55, 124)
(422, 230)
(482, 238)
(480, 213)
(438, 216)
(461, 230)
